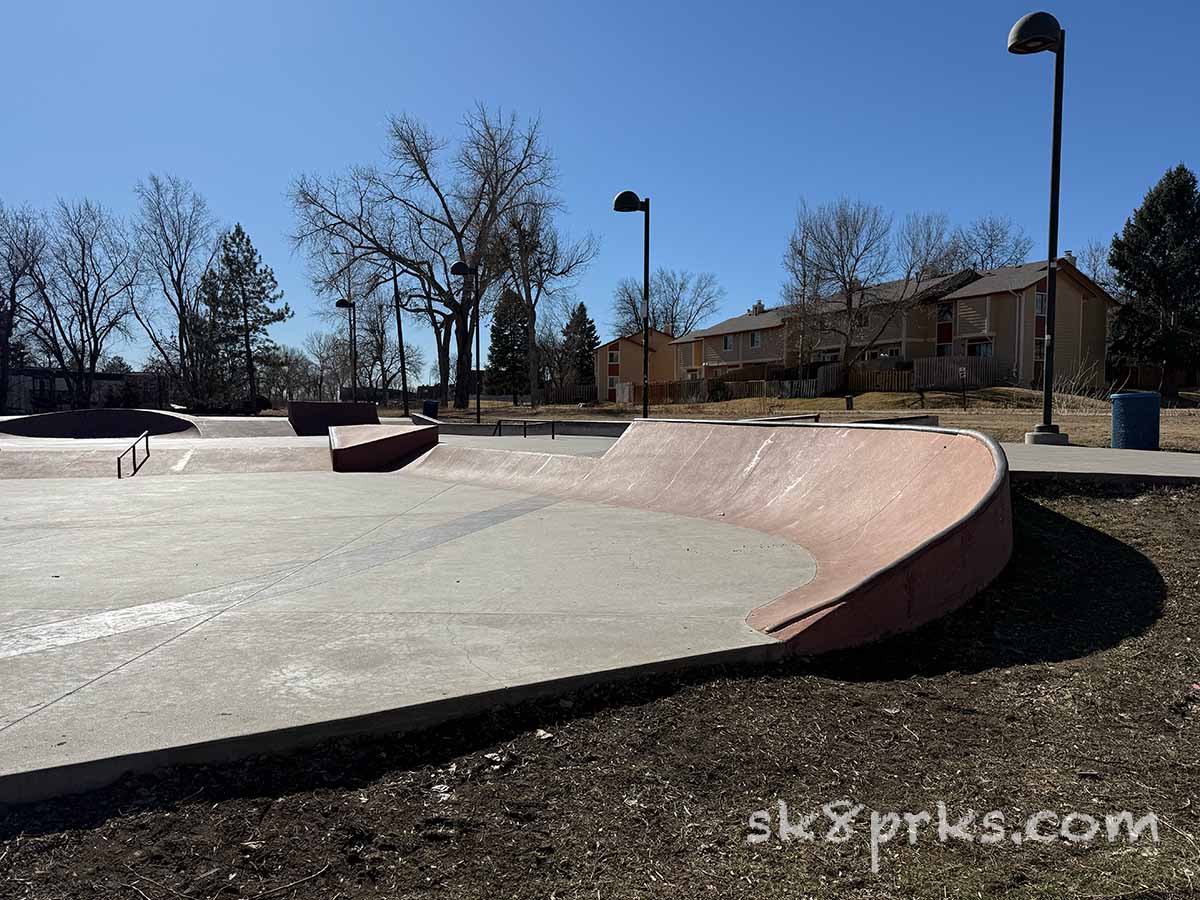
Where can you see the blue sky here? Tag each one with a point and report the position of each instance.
(726, 114)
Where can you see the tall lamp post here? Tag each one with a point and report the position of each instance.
(462, 269)
(349, 306)
(628, 201)
(1034, 33)
(400, 339)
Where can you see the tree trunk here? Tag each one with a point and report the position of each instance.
(464, 334)
(6, 327)
(531, 355)
(250, 374)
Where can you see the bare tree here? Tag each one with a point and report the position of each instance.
(430, 207)
(538, 263)
(801, 293)
(177, 241)
(22, 248)
(989, 242)
(866, 272)
(83, 292)
(680, 301)
(326, 352)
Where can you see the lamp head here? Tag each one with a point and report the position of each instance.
(627, 201)
(344, 304)
(1034, 33)
(460, 268)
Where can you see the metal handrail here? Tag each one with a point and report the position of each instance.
(144, 435)
(498, 431)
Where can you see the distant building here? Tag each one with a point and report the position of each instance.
(37, 390)
(620, 361)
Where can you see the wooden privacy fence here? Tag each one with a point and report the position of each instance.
(948, 372)
(868, 378)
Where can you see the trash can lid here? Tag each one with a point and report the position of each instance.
(1123, 394)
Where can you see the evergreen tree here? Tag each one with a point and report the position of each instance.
(1156, 262)
(506, 368)
(580, 341)
(247, 298)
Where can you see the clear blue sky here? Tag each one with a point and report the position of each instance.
(726, 114)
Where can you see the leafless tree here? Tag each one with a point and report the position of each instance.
(538, 263)
(83, 292)
(866, 272)
(23, 245)
(801, 293)
(680, 301)
(177, 241)
(989, 242)
(327, 353)
(429, 207)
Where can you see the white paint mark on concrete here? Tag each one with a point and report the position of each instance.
(182, 464)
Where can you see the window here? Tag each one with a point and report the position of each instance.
(979, 347)
(1039, 335)
(727, 342)
(755, 340)
(861, 318)
(612, 382)
(614, 357)
(945, 328)
(1039, 303)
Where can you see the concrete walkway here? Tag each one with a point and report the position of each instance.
(1102, 464)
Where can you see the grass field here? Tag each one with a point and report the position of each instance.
(1070, 685)
(1004, 413)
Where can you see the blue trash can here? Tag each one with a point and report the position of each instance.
(429, 408)
(1135, 420)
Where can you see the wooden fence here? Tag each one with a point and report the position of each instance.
(948, 372)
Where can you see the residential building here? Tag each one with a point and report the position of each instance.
(36, 390)
(999, 313)
(620, 360)
(757, 338)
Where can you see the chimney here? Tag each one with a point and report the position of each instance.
(1069, 257)
(757, 309)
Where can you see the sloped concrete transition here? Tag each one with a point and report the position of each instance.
(238, 613)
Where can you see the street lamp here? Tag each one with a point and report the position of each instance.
(461, 269)
(400, 339)
(628, 201)
(353, 323)
(1034, 33)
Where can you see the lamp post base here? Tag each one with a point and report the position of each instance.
(1046, 434)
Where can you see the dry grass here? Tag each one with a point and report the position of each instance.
(1003, 413)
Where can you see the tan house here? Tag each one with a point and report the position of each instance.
(620, 360)
(999, 313)
(755, 339)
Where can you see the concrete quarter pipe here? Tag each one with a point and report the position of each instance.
(904, 523)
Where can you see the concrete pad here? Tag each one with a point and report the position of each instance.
(212, 610)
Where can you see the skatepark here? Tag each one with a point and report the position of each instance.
(212, 607)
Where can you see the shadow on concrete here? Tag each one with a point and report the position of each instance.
(97, 423)
(1069, 591)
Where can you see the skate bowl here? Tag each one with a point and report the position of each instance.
(904, 523)
(309, 418)
(99, 423)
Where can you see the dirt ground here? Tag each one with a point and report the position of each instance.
(1004, 413)
(1071, 685)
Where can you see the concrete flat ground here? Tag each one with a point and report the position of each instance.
(151, 613)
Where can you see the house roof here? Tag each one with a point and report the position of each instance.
(902, 289)
(768, 318)
(1016, 278)
(635, 338)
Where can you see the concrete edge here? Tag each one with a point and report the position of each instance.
(44, 784)
(1113, 478)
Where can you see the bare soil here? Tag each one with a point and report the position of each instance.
(1070, 685)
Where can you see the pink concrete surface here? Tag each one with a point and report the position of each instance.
(377, 448)
(905, 523)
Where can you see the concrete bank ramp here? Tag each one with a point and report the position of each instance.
(905, 523)
(377, 448)
(99, 423)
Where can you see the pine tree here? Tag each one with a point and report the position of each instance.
(248, 294)
(1156, 261)
(506, 368)
(580, 341)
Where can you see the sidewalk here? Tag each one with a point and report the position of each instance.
(1028, 462)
